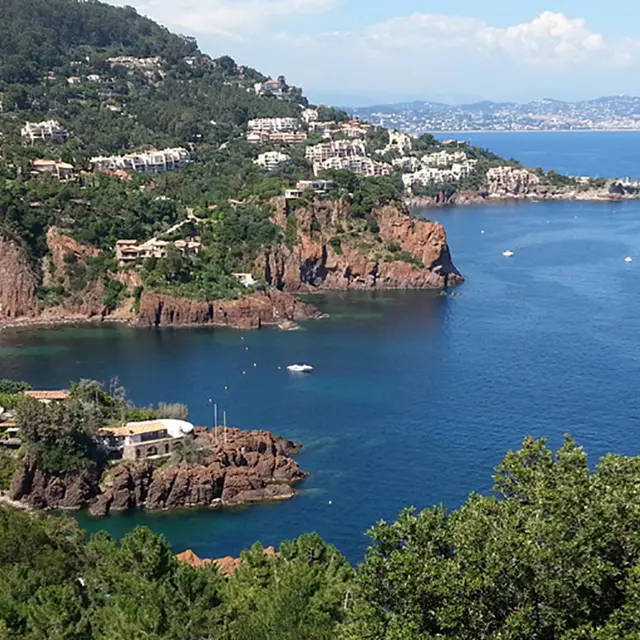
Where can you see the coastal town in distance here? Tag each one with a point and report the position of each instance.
(614, 113)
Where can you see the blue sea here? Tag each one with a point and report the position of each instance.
(415, 398)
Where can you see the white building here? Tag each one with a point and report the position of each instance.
(360, 165)
(271, 159)
(309, 115)
(144, 162)
(336, 149)
(399, 142)
(443, 158)
(45, 130)
(269, 125)
(148, 439)
(131, 62)
(407, 164)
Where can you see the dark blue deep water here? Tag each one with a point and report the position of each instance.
(605, 154)
(415, 398)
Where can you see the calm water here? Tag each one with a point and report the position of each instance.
(605, 154)
(415, 398)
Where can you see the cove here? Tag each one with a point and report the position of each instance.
(414, 397)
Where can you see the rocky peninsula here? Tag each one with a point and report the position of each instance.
(245, 467)
(329, 249)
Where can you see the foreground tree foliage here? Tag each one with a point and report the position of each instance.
(554, 554)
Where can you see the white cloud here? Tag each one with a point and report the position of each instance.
(227, 18)
(549, 38)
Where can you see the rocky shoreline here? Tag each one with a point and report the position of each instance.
(466, 198)
(246, 467)
(331, 251)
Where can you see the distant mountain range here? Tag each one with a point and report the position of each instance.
(613, 112)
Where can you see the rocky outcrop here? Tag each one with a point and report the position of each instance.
(237, 469)
(227, 566)
(18, 281)
(273, 308)
(332, 251)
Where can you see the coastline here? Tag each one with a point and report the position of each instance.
(483, 131)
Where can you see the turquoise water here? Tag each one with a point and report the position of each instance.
(414, 398)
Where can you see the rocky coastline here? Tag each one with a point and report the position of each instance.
(613, 192)
(245, 467)
(312, 263)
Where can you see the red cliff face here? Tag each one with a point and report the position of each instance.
(273, 308)
(248, 467)
(18, 281)
(405, 253)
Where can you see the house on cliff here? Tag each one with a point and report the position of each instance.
(148, 439)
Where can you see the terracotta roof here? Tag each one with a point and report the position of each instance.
(61, 394)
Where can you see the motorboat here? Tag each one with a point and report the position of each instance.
(508, 253)
(628, 259)
(300, 368)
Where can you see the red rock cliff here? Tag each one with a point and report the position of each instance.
(273, 308)
(18, 281)
(333, 251)
(249, 467)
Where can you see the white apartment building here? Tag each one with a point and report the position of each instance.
(131, 62)
(270, 125)
(399, 142)
(407, 164)
(144, 162)
(271, 159)
(309, 115)
(45, 130)
(360, 165)
(443, 158)
(336, 149)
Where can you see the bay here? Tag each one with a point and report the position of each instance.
(602, 154)
(415, 397)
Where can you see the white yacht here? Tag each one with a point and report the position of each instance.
(508, 253)
(300, 368)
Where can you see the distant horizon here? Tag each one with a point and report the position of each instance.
(458, 103)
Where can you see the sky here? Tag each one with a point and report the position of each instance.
(363, 52)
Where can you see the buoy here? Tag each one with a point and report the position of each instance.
(482, 231)
(246, 348)
(255, 364)
(244, 373)
(226, 388)
(241, 337)
(330, 501)
(279, 368)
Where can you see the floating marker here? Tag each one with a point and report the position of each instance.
(246, 348)
(226, 388)
(244, 373)
(330, 501)
(255, 364)
(482, 231)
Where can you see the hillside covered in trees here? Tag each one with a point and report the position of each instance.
(553, 554)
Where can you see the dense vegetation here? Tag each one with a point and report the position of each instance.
(553, 554)
(54, 64)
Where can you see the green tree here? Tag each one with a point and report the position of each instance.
(551, 556)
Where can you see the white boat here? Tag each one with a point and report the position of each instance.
(628, 259)
(508, 253)
(300, 368)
